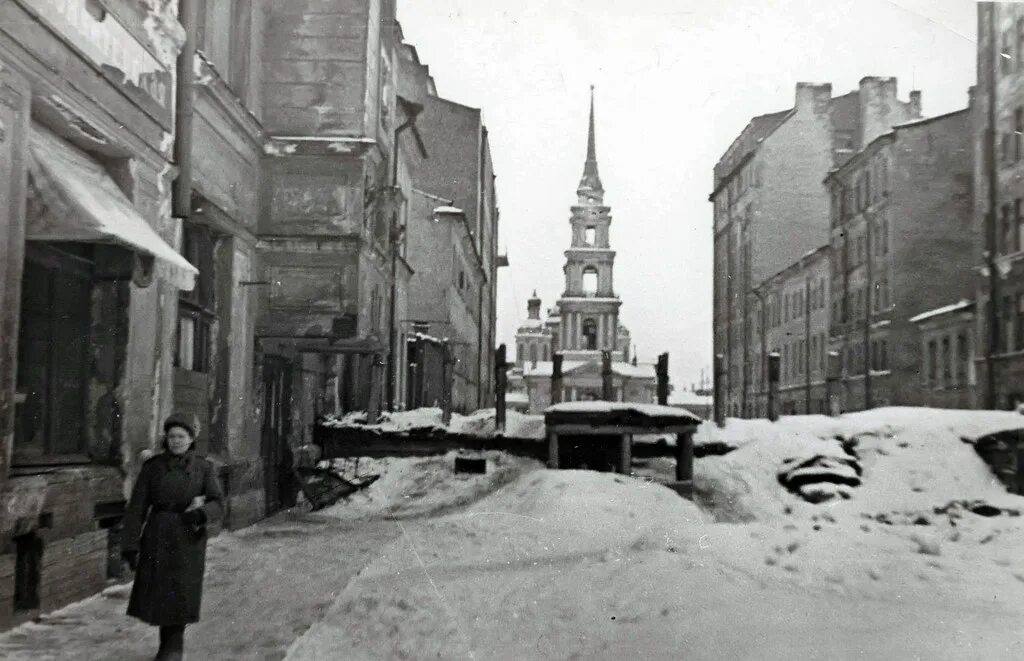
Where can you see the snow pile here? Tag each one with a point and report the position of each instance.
(909, 459)
(482, 423)
(574, 564)
(419, 486)
(479, 423)
(737, 432)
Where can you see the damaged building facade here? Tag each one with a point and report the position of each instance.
(204, 207)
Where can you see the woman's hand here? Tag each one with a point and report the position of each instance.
(132, 558)
(196, 517)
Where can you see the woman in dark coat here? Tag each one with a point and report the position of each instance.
(164, 540)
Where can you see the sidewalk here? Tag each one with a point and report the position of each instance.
(265, 585)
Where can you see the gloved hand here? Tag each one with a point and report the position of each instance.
(132, 558)
(196, 517)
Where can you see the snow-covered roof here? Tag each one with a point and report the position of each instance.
(545, 367)
(640, 371)
(673, 413)
(448, 209)
(532, 324)
(962, 304)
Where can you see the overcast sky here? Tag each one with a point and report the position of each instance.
(676, 81)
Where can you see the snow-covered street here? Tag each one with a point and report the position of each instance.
(916, 557)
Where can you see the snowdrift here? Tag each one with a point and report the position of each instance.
(479, 423)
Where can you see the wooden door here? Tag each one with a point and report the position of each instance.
(276, 426)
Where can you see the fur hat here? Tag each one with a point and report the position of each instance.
(186, 422)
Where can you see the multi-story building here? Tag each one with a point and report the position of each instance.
(901, 237)
(770, 207)
(89, 281)
(252, 164)
(454, 253)
(791, 318)
(998, 123)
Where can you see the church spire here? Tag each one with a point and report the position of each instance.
(591, 181)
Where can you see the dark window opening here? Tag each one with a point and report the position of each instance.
(53, 351)
(196, 308)
(589, 334)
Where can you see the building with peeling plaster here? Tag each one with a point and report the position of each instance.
(202, 209)
(91, 274)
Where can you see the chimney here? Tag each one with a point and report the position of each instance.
(915, 104)
(813, 97)
(880, 109)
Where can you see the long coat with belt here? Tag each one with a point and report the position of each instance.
(168, 585)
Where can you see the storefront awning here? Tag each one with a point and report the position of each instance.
(84, 204)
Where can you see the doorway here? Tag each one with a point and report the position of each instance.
(278, 483)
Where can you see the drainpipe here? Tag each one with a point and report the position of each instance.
(807, 343)
(990, 218)
(412, 110)
(869, 219)
(181, 190)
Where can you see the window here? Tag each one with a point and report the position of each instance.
(1019, 323)
(223, 34)
(963, 358)
(883, 177)
(1020, 224)
(53, 350)
(883, 362)
(947, 366)
(521, 351)
(786, 308)
(196, 308)
(590, 281)
(929, 373)
(533, 352)
(867, 188)
(589, 334)
(1007, 313)
(1018, 132)
(590, 236)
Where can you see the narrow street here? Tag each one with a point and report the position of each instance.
(265, 586)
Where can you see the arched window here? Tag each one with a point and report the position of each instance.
(590, 281)
(589, 334)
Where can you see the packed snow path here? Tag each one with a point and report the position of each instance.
(264, 587)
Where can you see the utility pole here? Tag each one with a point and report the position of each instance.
(773, 385)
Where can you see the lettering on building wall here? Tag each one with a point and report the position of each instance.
(109, 45)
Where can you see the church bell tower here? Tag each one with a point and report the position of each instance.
(589, 306)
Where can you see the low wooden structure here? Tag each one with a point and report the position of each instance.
(594, 424)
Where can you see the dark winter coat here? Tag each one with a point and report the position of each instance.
(172, 555)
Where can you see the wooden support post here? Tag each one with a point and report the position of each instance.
(773, 386)
(662, 372)
(552, 450)
(500, 386)
(684, 455)
(373, 401)
(556, 378)
(626, 455)
(719, 399)
(607, 393)
(446, 382)
(833, 372)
